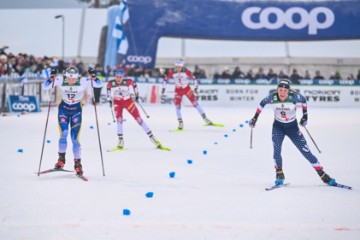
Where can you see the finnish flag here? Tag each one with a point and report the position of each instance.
(124, 11)
(118, 31)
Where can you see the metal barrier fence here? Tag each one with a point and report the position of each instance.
(31, 87)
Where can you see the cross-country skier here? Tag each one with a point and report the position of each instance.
(72, 87)
(182, 77)
(120, 91)
(284, 102)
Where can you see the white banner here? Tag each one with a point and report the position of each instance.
(251, 95)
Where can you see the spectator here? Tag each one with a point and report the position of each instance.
(199, 73)
(282, 75)
(100, 74)
(358, 75)
(2, 50)
(226, 73)
(336, 76)
(237, 74)
(216, 75)
(351, 77)
(307, 75)
(4, 65)
(271, 74)
(260, 74)
(250, 75)
(295, 77)
(318, 75)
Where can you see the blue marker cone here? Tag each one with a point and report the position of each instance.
(241, 125)
(171, 174)
(20, 150)
(126, 212)
(204, 152)
(149, 194)
(48, 141)
(189, 161)
(91, 126)
(225, 135)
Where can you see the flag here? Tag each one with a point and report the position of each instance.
(117, 30)
(124, 45)
(124, 11)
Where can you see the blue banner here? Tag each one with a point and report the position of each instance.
(23, 104)
(228, 20)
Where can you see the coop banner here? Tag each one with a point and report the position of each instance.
(132, 36)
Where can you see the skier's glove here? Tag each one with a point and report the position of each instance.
(252, 122)
(196, 90)
(162, 90)
(303, 120)
(92, 72)
(110, 103)
(137, 98)
(53, 73)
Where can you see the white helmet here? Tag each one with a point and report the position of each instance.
(179, 63)
(72, 72)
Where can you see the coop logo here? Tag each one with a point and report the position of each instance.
(139, 59)
(23, 106)
(258, 18)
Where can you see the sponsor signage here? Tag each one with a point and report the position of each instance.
(23, 104)
(229, 20)
(251, 95)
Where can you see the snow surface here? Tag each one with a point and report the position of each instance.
(220, 196)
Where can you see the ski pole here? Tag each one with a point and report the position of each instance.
(97, 127)
(312, 139)
(112, 113)
(46, 124)
(143, 109)
(251, 138)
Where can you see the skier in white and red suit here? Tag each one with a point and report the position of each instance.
(182, 77)
(120, 90)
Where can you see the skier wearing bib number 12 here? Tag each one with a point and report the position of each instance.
(72, 87)
(284, 102)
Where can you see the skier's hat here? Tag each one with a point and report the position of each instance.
(120, 72)
(284, 83)
(179, 63)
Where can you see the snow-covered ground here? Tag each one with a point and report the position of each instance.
(220, 196)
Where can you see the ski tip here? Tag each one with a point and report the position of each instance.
(214, 125)
(82, 177)
(176, 130)
(116, 149)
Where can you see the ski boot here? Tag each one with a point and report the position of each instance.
(207, 121)
(121, 141)
(279, 176)
(153, 140)
(181, 124)
(156, 142)
(78, 167)
(326, 178)
(61, 161)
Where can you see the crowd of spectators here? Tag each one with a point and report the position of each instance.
(22, 63)
(295, 77)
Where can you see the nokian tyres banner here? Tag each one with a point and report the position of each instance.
(133, 33)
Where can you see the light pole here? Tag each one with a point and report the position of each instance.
(63, 33)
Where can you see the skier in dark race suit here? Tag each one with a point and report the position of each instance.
(284, 102)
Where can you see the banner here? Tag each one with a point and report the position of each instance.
(229, 20)
(23, 104)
